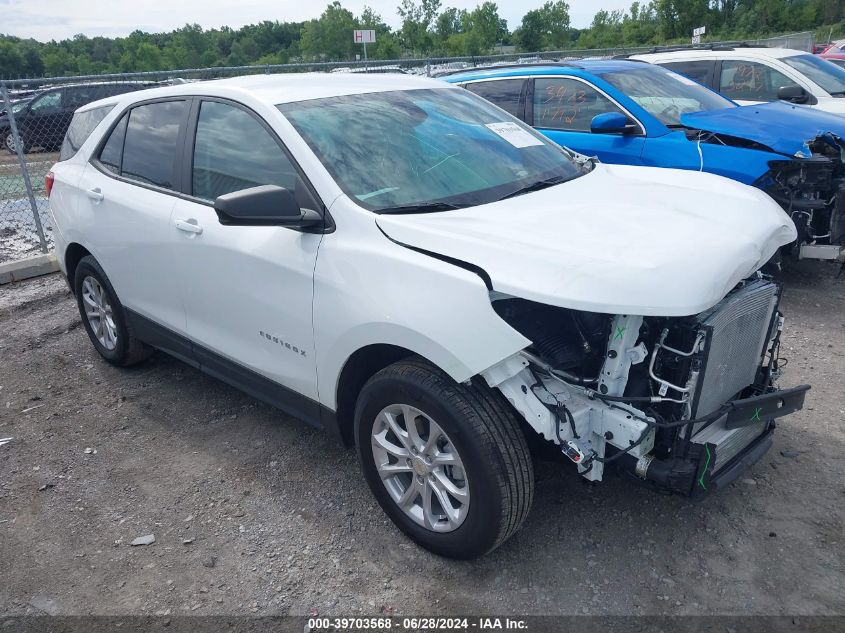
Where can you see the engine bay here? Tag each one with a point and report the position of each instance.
(640, 393)
(811, 189)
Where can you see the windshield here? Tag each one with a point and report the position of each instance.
(426, 150)
(821, 72)
(664, 94)
(20, 105)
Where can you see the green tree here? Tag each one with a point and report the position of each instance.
(11, 62)
(546, 27)
(330, 36)
(417, 20)
(484, 28)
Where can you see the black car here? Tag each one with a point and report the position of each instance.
(43, 121)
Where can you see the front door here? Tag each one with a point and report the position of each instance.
(247, 290)
(563, 109)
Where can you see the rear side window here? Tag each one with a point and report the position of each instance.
(81, 126)
(150, 148)
(508, 94)
(700, 71)
(112, 151)
(233, 151)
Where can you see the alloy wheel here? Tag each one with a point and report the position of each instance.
(420, 468)
(99, 313)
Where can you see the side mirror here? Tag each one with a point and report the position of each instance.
(612, 123)
(793, 93)
(266, 205)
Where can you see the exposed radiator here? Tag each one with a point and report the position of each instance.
(737, 330)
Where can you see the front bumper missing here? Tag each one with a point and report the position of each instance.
(729, 442)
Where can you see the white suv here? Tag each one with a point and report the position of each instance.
(402, 263)
(759, 75)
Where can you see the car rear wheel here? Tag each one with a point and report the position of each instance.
(447, 462)
(104, 317)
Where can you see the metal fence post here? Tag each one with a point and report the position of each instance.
(24, 169)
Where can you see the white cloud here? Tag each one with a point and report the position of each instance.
(48, 19)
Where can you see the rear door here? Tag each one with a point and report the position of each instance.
(247, 290)
(129, 190)
(563, 108)
(702, 71)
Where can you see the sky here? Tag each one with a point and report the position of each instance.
(53, 19)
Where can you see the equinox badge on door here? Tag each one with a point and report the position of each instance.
(275, 339)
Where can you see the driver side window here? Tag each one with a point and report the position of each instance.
(568, 104)
(47, 102)
(751, 81)
(234, 151)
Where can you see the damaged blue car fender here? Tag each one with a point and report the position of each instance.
(795, 153)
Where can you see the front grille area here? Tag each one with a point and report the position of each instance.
(737, 329)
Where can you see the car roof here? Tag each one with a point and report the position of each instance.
(284, 88)
(581, 67)
(720, 53)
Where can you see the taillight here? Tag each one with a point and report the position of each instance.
(48, 182)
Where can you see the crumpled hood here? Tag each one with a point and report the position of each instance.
(783, 127)
(619, 240)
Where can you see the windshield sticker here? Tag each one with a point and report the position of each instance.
(514, 134)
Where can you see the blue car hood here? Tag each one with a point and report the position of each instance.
(780, 126)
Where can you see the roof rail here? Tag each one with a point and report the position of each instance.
(506, 66)
(711, 46)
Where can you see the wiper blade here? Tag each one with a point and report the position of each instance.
(428, 207)
(536, 186)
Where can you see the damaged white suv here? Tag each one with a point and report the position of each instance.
(404, 264)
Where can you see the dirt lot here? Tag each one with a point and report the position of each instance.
(256, 513)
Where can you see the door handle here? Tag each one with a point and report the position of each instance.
(189, 226)
(95, 194)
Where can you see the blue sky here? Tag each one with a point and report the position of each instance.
(53, 19)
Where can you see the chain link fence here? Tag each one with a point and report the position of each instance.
(36, 114)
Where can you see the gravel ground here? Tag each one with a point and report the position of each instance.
(253, 512)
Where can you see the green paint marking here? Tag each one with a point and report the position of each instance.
(619, 332)
(706, 464)
(757, 413)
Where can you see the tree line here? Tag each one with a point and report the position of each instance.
(427, 29)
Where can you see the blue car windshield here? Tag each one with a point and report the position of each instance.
(414, 151)
(664, 94)
(821, 72)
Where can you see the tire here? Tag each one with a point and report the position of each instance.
(9, 142)
(121, 348)
(496, 474)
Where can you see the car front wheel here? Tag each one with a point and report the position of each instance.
(447, 462)
(10, 144)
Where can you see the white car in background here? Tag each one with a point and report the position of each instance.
(759, 75)
(404, 264)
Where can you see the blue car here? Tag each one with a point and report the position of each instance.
(634, 113)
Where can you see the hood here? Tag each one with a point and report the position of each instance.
(619, 240)
(834, 105)
(783, 127)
